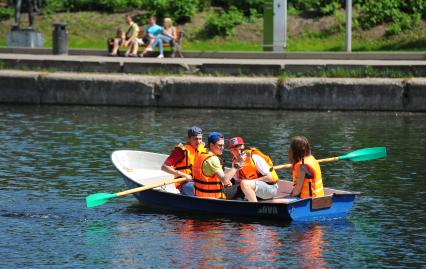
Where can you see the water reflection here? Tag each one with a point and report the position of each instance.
(209, 242)
(98, 237)
(259, 244)
(310, 246)
(52, 157)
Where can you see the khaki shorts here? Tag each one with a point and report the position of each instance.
(265, 191)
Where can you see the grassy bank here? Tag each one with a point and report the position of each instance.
(91, 29)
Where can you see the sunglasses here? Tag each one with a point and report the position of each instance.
(220, 145)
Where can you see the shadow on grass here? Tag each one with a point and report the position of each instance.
(419, 44)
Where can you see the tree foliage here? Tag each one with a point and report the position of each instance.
(223, 23)
(399, 15)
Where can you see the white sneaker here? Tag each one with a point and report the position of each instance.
(161, 56)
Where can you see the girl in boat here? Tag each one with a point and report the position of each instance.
(307, 179)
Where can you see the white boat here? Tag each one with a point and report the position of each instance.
(141, 168)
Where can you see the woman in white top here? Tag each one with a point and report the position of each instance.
(168, 35)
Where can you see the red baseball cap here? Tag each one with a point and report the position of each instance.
(235, 141)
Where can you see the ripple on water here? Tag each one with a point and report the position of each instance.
(52, 157)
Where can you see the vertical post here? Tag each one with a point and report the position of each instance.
(348, 25)
(268, 25)
(285, 23)
(275, 25)
(280, 8)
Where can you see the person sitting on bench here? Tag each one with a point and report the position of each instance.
(127, 40)
(151, 32)
(168, 35)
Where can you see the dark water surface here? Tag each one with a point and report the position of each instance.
(52, 157)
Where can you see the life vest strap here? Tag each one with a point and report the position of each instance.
(307, 172)
(205, 182)
(183, 167)
(207, 191)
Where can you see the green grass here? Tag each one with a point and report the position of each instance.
(221, 46)
(91, 29)
(339, 72)
(334, 43)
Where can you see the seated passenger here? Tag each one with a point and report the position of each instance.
(181, 160)
(127, 40)
(307, 179)
(209, 176)
(254, 175)
(151, 32)
(168, 35)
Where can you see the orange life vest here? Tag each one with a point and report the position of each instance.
(312, 187)
(206, 186)
(185, 166)
(249, 170)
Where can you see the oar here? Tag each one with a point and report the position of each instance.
(355, 156)
(102, 197)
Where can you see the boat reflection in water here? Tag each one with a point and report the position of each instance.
(219, 244)
(311, 247)
(259, 244)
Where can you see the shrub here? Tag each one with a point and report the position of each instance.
(6, 13)
(99, 5)
(249, 8)
(401, 15)
(180, 11)
(322, 7)
(223, 23)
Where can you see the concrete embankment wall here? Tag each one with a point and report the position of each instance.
(27, 87)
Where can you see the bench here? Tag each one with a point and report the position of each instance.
(175, 48)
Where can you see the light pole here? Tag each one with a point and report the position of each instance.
(275, 25)
(348, 25)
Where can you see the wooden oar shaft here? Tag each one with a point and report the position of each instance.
(328, 160)
(287, 166)
(143, 188)
(282, 166)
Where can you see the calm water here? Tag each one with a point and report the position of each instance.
(52, 157)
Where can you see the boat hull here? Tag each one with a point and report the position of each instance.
(300, 210)
(140, 168)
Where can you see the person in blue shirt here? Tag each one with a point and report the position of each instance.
(151, 32)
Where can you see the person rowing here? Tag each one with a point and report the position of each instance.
(180, 162)
(254, 175)
(208, 171)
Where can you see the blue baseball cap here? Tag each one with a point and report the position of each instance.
(194, 131)
(214, 137)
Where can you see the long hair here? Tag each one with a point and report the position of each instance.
(300, 148)
(168, 22)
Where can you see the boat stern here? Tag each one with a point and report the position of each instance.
(328, 207)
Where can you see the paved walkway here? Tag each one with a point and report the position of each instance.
(201, 61)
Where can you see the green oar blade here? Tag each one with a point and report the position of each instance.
(365, 154)
(99, 199)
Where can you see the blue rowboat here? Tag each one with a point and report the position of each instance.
(140, 168)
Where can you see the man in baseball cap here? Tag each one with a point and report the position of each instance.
(180, 161)
(235, 141)
(195, 131)
(211, 181)
(254, 175)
